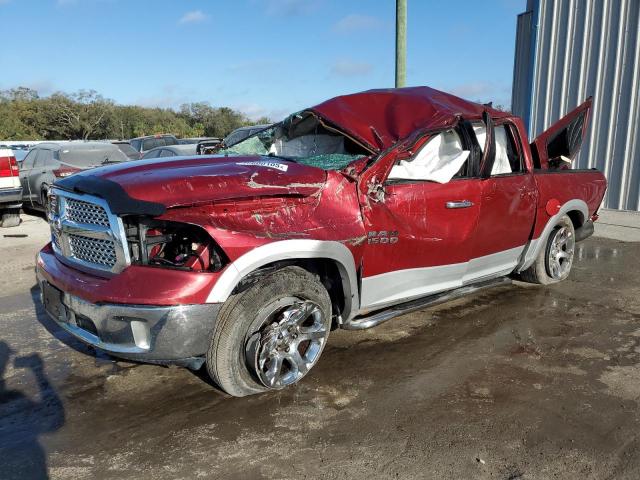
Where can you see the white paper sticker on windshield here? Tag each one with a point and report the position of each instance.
(278, 166)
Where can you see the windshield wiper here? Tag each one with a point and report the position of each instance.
(289, 159)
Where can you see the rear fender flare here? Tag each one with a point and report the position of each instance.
(534, 246)
(291, 250)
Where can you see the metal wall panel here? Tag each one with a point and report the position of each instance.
(567, 50)
(523, 70)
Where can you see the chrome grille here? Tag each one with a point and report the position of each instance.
(86, 235)
(55, 237)
(85, 212)
(93, 250)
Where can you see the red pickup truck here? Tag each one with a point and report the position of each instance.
(341, 216)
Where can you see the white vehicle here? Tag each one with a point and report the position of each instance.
(10, 189)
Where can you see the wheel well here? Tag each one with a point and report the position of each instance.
(325, 269)
(44, 189)
(576, 218)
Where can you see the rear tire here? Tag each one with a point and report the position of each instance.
(271, 334)
(10, 217)
(553, 263)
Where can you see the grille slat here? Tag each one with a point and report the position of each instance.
(93, 250)
(56, 239)
(86, 213)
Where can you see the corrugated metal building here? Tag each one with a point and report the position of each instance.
(567, 50)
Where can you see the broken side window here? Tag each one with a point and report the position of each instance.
(438, 160)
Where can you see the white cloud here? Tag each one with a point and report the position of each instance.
(288, 8)
(4, 2)
(351, 68)
(356, 22)
(67, 3)
(499, 94)
(473, 89)
(255, 111)
(169, 96)
(195, 16)
(43, 87)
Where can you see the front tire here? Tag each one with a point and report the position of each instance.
(555, 259)
(270, 335)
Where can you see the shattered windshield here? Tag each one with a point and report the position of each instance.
(301, 138)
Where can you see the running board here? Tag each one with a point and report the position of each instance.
(381, 316)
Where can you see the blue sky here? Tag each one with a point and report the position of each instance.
(264, 57)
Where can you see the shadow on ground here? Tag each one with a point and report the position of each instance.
(23, 420)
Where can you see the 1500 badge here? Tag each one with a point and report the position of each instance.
(382, 237)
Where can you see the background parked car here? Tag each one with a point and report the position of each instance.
(10, 190)
(20, 154)
(206, 147)
(188, 141)
(126, 148)
(144, 144)
(173, 151)
(49, 161)
(241, 133)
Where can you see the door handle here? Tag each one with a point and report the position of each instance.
(460, 204)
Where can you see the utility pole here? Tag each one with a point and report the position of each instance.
(401, 43)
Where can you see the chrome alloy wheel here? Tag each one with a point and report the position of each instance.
(560, 253)
(288, 342)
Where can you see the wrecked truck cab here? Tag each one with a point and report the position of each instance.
(343, 215)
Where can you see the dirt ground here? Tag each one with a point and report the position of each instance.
(518, 382)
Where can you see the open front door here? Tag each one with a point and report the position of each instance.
(560, 143)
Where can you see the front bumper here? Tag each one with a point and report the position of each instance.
(157, 334)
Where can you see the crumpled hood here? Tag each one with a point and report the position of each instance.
(182, 181)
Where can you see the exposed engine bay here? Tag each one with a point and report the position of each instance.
(173, 245)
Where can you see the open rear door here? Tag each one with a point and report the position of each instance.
(560, 143)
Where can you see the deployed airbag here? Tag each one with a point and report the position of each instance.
(437, 161)
(501, 164)
(308, 146)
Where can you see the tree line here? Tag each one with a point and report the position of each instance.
(87, 115)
